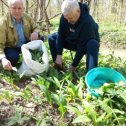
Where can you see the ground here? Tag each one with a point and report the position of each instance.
(117, 52)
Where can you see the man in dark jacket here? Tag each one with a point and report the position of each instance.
(77, 32)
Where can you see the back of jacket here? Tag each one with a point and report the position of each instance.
(81, 32)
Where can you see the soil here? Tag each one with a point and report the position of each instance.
(117, 52)
(36, 109)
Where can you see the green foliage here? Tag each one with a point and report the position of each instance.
(37, 55)
(58, 100)
(82, 119)
(55, 24)
(17, 118)
(113, 35)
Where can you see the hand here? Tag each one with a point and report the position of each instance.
(6, 64)
(58, 61)
(72, 68)
(34, 36)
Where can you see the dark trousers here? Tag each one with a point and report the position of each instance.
(91, 50)
(12, 54)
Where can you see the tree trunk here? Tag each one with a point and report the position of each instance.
(27, 4)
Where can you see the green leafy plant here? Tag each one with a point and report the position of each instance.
(18, 118)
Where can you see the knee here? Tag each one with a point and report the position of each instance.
(93, 44)
(13, 59)
(52, 37)
(14, 56)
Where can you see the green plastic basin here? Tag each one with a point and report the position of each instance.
(96, 77)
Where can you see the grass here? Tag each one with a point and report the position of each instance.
(54, 23)
(54, 98)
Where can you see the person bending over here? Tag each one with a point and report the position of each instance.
(77, 32)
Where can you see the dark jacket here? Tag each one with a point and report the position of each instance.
(81, 32)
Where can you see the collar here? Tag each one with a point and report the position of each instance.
(14, 21)
(23, 20)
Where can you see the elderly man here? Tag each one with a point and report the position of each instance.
(16, 28)
(77, 32)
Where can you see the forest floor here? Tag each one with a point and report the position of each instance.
(25, 103)
(117, 52)
(41, 100)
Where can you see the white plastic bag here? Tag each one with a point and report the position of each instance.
(29, 66)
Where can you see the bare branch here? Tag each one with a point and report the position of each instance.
(32, 4)
(4, 3)
(48, 19)
(47, 5)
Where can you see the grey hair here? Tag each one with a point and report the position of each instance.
(69, 5)
(12, 1)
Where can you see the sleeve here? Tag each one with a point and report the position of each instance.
(87, 33)
(2, 37)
